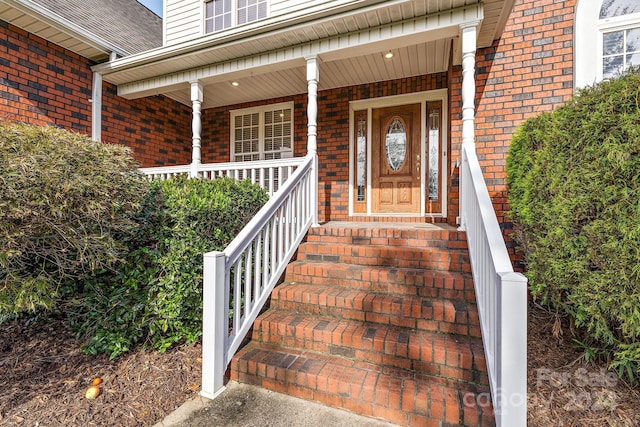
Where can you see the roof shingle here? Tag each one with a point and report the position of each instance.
(123, 23)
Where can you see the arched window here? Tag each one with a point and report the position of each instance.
(606, 39)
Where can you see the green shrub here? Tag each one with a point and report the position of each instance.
(156, 297)
(63, 199)
(574, 190)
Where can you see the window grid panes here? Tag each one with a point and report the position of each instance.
(620, 49)
(277, 134)
(264, 133)
(246, 137)
(223, 14)
(251, 10)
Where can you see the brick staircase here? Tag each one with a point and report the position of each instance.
(379, 320)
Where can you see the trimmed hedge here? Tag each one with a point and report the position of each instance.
(63, 200)
(573, 180)
(156, 297)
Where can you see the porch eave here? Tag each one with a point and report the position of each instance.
(170, 70)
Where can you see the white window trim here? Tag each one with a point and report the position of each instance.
(587, 66)
(234, 17)
(261, 110)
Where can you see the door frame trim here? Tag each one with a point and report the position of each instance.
(389, 101)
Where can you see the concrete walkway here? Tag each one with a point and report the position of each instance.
(242, 405)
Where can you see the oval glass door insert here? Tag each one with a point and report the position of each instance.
(396, 144)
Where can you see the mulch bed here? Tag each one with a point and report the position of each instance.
(565, 391)
(44, 376)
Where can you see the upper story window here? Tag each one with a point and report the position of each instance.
(223, 14)
(613, 26)
(262, 133)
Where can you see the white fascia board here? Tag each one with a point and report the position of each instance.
(64, 25)
(423, 28)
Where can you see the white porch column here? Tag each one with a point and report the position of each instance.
(468, 36)
(96, 107)
(196, 126)
(313, 76)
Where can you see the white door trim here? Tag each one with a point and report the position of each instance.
(390, 101)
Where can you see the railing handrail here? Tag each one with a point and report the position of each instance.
(253, 227)
(291, 161)
(256, 258)
(499, 253)
(501, 296)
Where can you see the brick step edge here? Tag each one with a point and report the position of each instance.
(401, 257)
(405, 281)
(440, 355)
(409, 311)
(397, 396)
(392, 231)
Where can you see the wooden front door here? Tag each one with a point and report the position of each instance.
(395, 168)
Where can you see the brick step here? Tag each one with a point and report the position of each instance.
(440, 355)
(403, 281)
(386, 256)
(438, 235)
(396, 395)
(409, 311)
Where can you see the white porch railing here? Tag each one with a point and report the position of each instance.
(269, 174)
(238, 281)
(501, 296)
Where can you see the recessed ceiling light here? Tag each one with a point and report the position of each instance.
(388, 55)
(236, 84)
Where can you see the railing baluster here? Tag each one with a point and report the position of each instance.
(258, 256)
(237, 296)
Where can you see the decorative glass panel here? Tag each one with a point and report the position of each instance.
(361, 157)
(611, 8)
(396, 144)
(434, 155)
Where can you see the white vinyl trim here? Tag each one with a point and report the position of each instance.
(588, 30)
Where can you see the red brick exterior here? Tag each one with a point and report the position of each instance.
(44, 84)
(333, 133)
(527, 71)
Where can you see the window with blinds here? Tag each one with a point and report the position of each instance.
(223, 14)
(262, 133)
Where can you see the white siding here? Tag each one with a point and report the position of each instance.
(183, 20)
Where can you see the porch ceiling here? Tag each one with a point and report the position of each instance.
(423, 58)
(269, 62)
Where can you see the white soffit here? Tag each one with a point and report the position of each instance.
(431, 35)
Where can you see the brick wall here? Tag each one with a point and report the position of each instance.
(528, 71)
(333, 133)
(44, 84)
